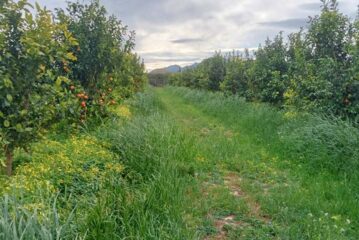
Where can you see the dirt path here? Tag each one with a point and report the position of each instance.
(231, 211)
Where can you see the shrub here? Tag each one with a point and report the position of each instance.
(34, 74)
(66, 68)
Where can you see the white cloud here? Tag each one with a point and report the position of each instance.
(181, 32)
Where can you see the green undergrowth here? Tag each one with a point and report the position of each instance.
(301, 169)
(126, 179)
(184, 164)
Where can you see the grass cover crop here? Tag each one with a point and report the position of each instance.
(175, 163)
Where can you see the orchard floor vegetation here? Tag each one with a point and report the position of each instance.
(174, 163)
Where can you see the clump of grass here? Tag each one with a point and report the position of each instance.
(21, 220)
(323, 143)
(156, 155)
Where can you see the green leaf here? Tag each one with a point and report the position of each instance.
(23, 112)
(28, 129)
(9, 97)
(60, 80)
(19, 128)
(71, 56)
(6, 123)
(38, 8)
(7, 83)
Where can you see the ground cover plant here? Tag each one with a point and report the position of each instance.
(287, 176)
(176, 163)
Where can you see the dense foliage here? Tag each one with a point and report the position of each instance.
(64, 67)
(315, 69)
(103, 183)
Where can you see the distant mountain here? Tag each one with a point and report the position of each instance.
(169, 69)
(192, 66)
(173, 69)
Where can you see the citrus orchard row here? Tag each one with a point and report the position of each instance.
(64, 66)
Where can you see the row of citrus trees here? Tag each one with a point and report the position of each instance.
(64, 66)
(314, 69)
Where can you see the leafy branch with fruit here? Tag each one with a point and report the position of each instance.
(69, 65)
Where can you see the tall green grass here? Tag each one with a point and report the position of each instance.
(147, 200)
(308, 162)
(323, 142)
(156, 156)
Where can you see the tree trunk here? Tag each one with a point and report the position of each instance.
(9, 161)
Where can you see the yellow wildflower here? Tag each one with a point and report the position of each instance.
(124, 111)
(290, 115)
(200, 159)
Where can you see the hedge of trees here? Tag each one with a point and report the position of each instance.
(63, 66)
(316, 69)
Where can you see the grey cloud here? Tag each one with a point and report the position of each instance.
(154, 60)
(240, 18)
(188, 30)
(310, 6)
(172, 54)
(187, 40)
(162, 12)
(293, 23)
(345, 6)
(158, 54)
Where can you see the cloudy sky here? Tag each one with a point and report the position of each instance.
(186, 31)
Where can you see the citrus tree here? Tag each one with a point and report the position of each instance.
(35, 53)
(106, 67)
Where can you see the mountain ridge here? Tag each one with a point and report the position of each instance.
(173, 69)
